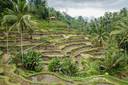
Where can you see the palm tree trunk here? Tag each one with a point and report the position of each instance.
(101, 44)
(6, 55)
(21, 38)
(7, 41)
(7, 45)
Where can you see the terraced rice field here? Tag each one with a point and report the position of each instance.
(57, 45)
(49, 78)
(62, 45)
(53, 79)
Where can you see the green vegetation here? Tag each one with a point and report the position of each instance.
(42, 45)
(55, 65)
(90, 69)
(64, 66)
(30, 61)
(116, 58)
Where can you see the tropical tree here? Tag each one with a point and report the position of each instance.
(7, 21)
(121, 33)
(23, 19)
(97, 31)
(123, 12)
(107, 22)
(39, 8)
(115, 61)
(5, 4)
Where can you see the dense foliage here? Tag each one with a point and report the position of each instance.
(115, 60)
(55, 65)
(31, 61)
(64, 66)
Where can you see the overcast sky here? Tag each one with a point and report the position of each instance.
(88, 8)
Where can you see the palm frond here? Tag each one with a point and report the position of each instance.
(9, 19)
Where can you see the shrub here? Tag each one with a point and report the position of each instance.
(64, 66)
(54, 65)
(31, 60)
(68, 67)
(90, 67)
(115, 61)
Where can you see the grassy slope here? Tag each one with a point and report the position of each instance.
(52, 26)
(59, 26)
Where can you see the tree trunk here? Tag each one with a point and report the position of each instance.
(7, 45)
(5, 57)
(101, 44)
(21, 38)
(7, 42)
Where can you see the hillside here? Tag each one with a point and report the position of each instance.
(42, 46)
(52, 44)
(57, 41)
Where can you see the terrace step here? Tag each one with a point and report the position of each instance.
(91, 56)
(68, 41)
(97, 53)
(81, 50)
(50, 78)
(50, 51)
(46, 47)
(50, 35)
(48, 57)
(68, 48)
(18, 45)
(71, 43)
(95, 50)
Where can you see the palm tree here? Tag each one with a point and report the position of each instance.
(115, 61)
(5, 25)
(5, 4)
(7, 21)
(121, 32)
(23, 22)
(107, 21)
(97, 31)
(123, 12)
(39, 8)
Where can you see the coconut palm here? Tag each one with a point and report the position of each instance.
(115, 61)
(99, 35)
(7, 21)
(39, 8)
(5, 4)
(121, 32)
(23, 20)
(123, 12)
(6, 33)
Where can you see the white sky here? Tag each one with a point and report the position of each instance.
(88, 8)
(86, 12)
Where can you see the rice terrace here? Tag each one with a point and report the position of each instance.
(63, 42)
